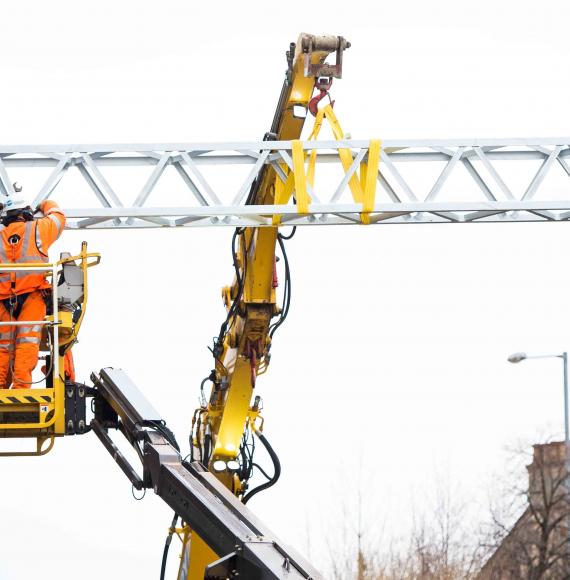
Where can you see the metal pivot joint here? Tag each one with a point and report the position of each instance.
(311, 44)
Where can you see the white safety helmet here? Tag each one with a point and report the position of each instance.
(14, 202)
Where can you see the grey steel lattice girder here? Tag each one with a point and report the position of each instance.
(206, 184)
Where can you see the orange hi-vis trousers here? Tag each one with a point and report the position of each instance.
(20, 345)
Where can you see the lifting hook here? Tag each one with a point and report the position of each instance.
(323, 84)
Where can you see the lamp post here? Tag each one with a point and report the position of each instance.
(520, 356)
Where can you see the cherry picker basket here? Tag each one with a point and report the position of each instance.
(56, 408)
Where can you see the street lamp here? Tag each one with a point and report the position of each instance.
(520, 356)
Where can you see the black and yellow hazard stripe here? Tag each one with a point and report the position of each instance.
(24, 398)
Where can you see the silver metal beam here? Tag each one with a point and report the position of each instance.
(109, 186)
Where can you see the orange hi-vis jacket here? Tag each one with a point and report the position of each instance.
(25, 242)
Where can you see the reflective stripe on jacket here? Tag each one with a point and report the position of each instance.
(25, 242)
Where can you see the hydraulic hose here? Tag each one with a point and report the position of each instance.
(276, 467)
(167, 546)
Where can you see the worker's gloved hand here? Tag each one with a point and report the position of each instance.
(42, 207)
(47, 205)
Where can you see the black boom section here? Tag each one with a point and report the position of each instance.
(248, 549)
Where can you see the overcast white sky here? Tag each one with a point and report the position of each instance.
(392, 364)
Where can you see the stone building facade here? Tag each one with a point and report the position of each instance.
(537, 546)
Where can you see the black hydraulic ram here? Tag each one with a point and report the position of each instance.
(249, 550)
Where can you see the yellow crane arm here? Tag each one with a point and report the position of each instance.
(242, 347)
(241, 350)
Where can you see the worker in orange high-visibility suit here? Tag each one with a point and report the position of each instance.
(24, 239)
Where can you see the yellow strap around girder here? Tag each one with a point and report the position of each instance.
(344, 154)
(283, 191)
(313, 137)
(301, 194)
(363, 188)
(369, 176)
